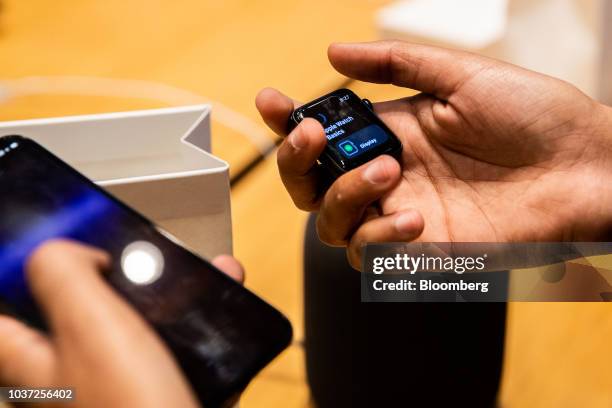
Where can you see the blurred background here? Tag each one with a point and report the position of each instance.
(70, 57)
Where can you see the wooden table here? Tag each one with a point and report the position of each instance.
(558, 355)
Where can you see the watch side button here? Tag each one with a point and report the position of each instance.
(369, 104)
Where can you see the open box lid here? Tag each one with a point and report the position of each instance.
(125, 147)
(157, 161)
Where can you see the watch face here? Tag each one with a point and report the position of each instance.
(354, 133)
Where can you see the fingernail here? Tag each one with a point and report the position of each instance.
(376, 173)
(406, 222)
(297, 140)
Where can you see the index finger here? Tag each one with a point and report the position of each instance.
(297, 163)
(275, 108)
(433, 70)
(80, 307)
(230, 266)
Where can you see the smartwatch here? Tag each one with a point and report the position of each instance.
(355, 134)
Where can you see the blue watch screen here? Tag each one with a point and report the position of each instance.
(347, 126)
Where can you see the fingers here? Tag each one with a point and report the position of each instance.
(433, 70)
(348, 197)
(26, 355)
(230, 266)
(59, 273)
(275, 109)
(297, 163)
(81, 309)
(403, 226)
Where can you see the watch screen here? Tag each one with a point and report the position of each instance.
(348, 125)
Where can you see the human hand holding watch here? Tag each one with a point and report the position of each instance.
(491, 152)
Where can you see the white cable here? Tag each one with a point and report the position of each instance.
(134, 88)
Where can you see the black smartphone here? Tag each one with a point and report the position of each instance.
(355, 135)
(220, 333)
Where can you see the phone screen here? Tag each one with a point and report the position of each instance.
(349, 128)
(220, 333)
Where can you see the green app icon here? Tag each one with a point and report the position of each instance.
(348, 148)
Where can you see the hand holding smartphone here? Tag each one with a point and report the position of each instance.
(220, 333)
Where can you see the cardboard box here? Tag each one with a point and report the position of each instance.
(157, 161)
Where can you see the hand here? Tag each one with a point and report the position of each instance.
(98, 344)
(492, 152)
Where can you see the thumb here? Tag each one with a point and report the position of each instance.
(433, 70)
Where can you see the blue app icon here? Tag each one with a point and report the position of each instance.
(348, 148)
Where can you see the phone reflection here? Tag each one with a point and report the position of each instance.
(142, 262)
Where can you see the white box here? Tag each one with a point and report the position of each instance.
(157, 161)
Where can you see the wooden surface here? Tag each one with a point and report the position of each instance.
(558, 355)
(223, 51)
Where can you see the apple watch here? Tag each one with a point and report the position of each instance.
(355, 134)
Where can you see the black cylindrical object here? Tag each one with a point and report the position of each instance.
(394, 354)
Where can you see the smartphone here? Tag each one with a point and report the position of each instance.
(220, 333)
(355, 135)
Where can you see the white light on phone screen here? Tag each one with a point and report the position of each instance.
(14, 145)
(142, 262)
